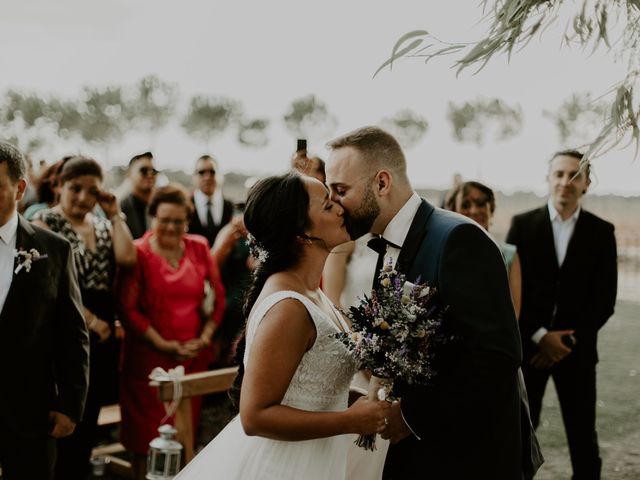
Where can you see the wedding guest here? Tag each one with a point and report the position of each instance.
(44, 344)
(142, 176)
(231, 251)
(346, 278)
(47, 188)
(478, 202)
(161, 299)
(99, 246)
(212, 210)
(569, 280)
(310, 166)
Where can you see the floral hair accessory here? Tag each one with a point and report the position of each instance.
(256, 249)
(26, 258)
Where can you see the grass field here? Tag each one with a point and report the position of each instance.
(618, 407)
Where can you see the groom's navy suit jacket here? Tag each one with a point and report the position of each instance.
(44, 344)
(470, 418)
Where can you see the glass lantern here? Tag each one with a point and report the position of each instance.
(163, 460)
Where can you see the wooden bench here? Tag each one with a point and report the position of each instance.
(193, 385)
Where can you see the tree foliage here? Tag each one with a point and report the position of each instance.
(407, 126)
(309, 117)
(253, 132)
(578, 119)
(209, 117)
(152, 104)
(472, 121)
(513, 23)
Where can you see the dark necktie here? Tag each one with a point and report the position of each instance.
(210, 224)
(379, 245)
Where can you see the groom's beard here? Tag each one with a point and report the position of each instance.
(359, 222)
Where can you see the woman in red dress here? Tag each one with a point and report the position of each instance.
(161, 300)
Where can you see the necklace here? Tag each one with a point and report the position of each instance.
(172, 256)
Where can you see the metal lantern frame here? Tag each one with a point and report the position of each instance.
(165, 455)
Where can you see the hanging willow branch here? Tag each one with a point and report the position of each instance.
(513, 23)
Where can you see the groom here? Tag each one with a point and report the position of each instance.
(470, 421)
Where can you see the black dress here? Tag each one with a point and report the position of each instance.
(96, 274)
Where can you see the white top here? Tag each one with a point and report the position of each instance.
(8, 235)
(217, 206)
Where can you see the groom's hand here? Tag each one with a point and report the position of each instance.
(61, 425)
(396, 429)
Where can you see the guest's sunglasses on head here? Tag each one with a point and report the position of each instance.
(204, 171)
(148, 170)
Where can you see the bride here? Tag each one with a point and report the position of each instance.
(293, 403)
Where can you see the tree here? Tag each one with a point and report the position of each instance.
(209, 117)
(472, 121)
(152, 104)
(578, 119)
(309, 117)
(407, 126)
(24, 119)
(513, 23)
(253, 132)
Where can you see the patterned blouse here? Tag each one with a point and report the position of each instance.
(95, 268)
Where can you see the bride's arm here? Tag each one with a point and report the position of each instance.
(284, 334)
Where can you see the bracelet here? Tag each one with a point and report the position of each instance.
(118, 216)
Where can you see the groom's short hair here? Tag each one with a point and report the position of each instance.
(376, 146)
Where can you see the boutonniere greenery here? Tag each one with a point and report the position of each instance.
(25, 258)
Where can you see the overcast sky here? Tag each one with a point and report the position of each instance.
(266, 54)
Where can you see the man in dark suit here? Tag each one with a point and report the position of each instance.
(569, 283)
(142, 176)
(44, 344)
(211, 210)
(468, 423)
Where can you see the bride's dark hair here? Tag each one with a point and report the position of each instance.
(276, 214)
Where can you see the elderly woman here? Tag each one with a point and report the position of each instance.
(477, 201)
(162, 299)
(99, 245)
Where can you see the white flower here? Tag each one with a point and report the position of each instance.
(26, 258)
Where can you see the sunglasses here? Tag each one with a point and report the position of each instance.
(203, 172)
(148, 170)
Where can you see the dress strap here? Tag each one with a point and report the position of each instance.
(265, 305)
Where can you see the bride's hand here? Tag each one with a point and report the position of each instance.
(368, 417)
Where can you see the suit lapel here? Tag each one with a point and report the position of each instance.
(414, 238)
(546, 236)
(579, 232)
(20, 283)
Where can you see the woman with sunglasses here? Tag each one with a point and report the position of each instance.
(99, 246)
(161, 300)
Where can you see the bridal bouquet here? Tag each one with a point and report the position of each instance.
(394, 332)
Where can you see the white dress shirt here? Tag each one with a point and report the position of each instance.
(562, 233)
(217, 206)
(398, 228)
(8, 235)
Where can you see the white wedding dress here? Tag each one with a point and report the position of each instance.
(320, 383)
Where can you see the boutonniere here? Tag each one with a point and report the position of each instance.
(25, 258)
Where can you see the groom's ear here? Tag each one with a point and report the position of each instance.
(383, 182)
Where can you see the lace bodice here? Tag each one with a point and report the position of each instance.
(321, 381)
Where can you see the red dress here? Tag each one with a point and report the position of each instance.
(156, 294)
